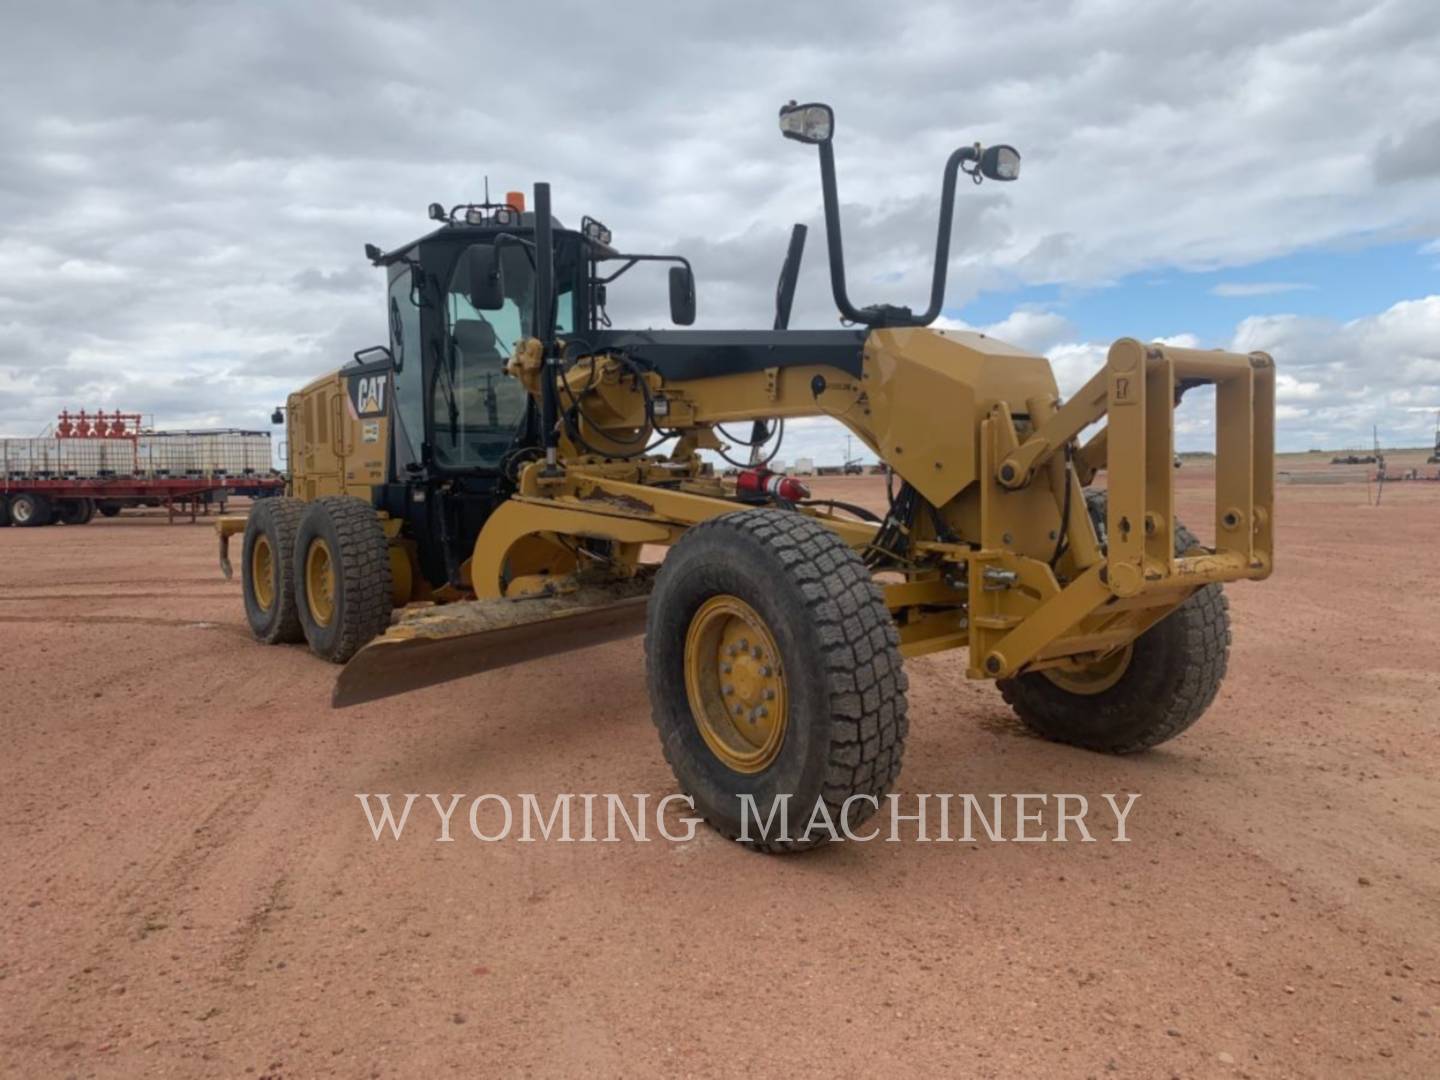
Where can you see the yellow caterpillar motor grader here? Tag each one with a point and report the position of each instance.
(479, 492)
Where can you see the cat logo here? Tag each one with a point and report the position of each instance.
(368, 394)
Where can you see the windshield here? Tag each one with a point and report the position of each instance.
(479, 409)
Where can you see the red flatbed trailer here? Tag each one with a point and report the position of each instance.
(179, 495)
(107, 460)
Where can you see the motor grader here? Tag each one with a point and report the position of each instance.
(492, 485)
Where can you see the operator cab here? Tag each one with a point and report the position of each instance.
(458, 300)
(456, 410)
(451, 336)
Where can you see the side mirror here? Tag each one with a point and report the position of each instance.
(682, 295)
(813, 123)
(486, 288)
(1000, 163)
(278, 416)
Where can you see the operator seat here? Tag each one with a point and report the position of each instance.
(475, 338)
(488, 398)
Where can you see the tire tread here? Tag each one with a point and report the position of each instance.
(284, 515)
(865, 677)
(362, 573)
(1199, 636)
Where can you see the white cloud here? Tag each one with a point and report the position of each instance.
(1334, 380)
(1035, 331)
(1075, 362)
(1257, 288)
(1382, 369)
(1289, 388)
(1180, 341)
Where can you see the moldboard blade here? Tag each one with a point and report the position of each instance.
(456, 640)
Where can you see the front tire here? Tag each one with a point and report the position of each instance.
(774, 670)
(268, 571)
(342, 576)
(1144, 695)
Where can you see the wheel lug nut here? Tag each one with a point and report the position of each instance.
(769, 694)
(727, 689)
(739, 709)
(765, 671)
(759, 712)
(745, 643)
(726, 668)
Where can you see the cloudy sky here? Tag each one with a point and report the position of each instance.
(185, 187)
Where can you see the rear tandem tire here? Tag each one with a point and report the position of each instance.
(108, 509)
(785, 582)
(74, 511)
(28, 511)
(342, 576)
(1173, 673)
(4, 511)
(268, 571)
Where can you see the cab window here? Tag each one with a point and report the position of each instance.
(405, 343)
(478, 408)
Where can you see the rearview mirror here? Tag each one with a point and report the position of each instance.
(277, 417)
(486, 286)
(682, 295)
(1000, 163)
(813, 123)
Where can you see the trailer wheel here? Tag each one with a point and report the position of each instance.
(342, 576)
(108, 509)
(74, 511)
(4, 511)
(28, 511)
(1142, 695)
(268, 571)
(774, 670)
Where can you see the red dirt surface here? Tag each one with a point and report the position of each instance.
(190, 887)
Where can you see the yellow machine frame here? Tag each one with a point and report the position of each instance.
(1001, 492)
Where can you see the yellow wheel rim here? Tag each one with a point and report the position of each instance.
(1094, 677)
(735, 684)
(320, 582)
(262, 572)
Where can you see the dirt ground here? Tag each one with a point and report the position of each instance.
(190, 887)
